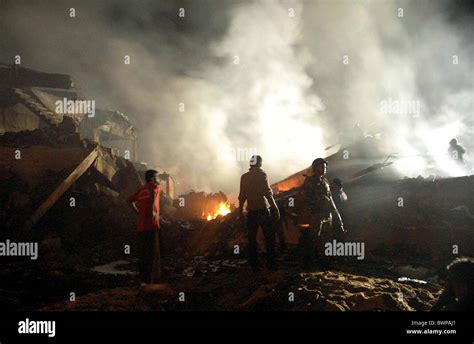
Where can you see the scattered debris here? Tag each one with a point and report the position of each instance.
(115, 268)
(201, 266)
(412, 272)
(406, 279)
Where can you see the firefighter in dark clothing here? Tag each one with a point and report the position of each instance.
(317, 211)
(255, 190)
(146, 202)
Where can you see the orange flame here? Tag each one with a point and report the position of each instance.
(223, 209)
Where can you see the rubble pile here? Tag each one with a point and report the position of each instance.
(93, 201)
(338, 291)
(222, 237)
(241, 290)
(201, 266)
(413, 220)
(60, 188)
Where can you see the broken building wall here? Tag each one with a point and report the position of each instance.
(111, 129)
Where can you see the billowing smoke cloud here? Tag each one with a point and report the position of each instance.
(280, 78)
(416, 53)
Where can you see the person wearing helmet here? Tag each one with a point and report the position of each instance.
(261, 208)
(456, 151)
(317, 197)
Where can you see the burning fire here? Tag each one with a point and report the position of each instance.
(223, 209)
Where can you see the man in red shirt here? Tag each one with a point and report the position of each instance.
(146, 202)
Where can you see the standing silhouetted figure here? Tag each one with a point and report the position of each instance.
(456, 151)
(255, 190)
(318, 212)
(146, 202)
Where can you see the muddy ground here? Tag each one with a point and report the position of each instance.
(218, 285)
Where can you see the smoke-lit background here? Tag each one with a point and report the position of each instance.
(259, 76)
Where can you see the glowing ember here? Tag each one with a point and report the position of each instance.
(223, 209)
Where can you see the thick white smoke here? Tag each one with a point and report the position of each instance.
(265, 91)
(263, 77)
(399, 52)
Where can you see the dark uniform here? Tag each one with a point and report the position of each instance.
(316, 219)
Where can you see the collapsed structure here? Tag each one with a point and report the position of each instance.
(55, 166)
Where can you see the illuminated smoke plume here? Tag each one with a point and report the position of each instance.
(263, 77)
